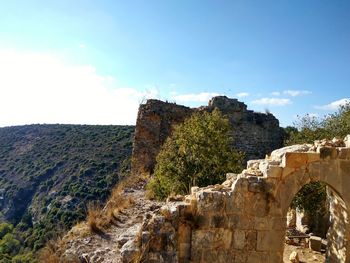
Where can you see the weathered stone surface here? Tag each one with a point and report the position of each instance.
(347, 141)
(239, 239)
(270, 240)
(246, 222)
(256, 134)
(315, 243)
(129, 251)
(344, 153)
(294, 257)
(296, 160)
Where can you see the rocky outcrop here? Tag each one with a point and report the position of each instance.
(244, 219)
(256, 134)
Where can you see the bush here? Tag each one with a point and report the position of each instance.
(197, 154)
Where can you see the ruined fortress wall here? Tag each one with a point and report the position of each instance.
(244, 220)
(154, 123)
(256, 134)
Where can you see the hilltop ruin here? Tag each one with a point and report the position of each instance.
(254, 133)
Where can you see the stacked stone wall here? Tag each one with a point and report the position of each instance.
(244, 219)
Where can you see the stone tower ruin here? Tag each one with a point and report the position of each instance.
(254, 133)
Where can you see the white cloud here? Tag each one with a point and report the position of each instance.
(275, 93)
(195, 97)
(334, 105)
(81, 45)
(272, 102)
(242, 94)
(295, 93)
(41, 88)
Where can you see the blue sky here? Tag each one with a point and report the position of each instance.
(94, 61)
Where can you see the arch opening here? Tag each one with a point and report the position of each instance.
(317, 225)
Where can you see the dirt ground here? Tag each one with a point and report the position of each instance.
(306, 255)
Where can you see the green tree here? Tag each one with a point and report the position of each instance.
(197, 154)
(310, 128)
(5, 228)
(9, 245)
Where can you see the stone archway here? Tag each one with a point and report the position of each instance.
(244, 219)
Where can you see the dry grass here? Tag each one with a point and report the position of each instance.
(94, 218)
(49, 254)
(98, 219)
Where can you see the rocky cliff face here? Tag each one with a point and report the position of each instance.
(256, 134)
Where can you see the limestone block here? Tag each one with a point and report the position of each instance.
(231, 176)
(184, 233)
(279, 153)
(327, 152)
(347, 140)
(330, 171)
(344, 153)
(287, 171)
(239, 239)
(216, 255)
(258, 205)
(218, 221)
(268, 170)
(216, 237)
(294, 257)
(245, 222)
(184, 251)
(208, 200)
(254, 164)
(275, 256)
(256, 187)
(297, 160)
(234, 202)
(272, 240)
(257, 257)
(250, 236)
(194, 189)
(262, 223)
(315, 243)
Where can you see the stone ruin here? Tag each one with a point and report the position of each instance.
(256, 134)
(244, 219)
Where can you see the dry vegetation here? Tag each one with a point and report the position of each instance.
(98, 220)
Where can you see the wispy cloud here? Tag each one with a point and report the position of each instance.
(42, 88)
(195, 97)
(81, 45)
(334, 105)
(272, 101)
(242, 94)
(275, 93)
(295, 93)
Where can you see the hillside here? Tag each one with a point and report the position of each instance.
(49, 173)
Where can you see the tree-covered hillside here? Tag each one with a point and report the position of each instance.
(49, 173)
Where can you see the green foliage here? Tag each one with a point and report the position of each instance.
(310, 128)
(311, 198)
(5, 228)
(11, 246)
(57, 170)
(197, 154)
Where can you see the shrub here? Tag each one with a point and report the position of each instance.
(197, 154)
